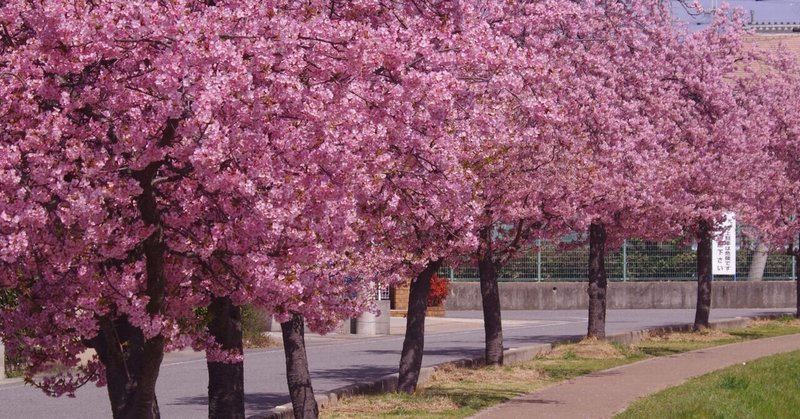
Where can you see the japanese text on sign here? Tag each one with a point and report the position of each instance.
(723, 249)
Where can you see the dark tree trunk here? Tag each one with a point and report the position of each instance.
(122, 350)
(490, 296)
(133, 362)
(297, 376)
(704, 276)
(226, 380)
(598, 283)
(413, 344)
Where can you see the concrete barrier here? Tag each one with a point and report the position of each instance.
(374, 324)
(625, 295)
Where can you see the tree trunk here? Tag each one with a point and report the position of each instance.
(704, 276)
(133, 362)
(225, 379)
(598, 283)
(122, 350)
(758, 263)
(411, 356)
(490, 296)
(294, 346)
(154, 248)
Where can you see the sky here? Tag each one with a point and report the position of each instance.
(761, 11)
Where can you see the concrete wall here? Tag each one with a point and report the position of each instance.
(625, 295)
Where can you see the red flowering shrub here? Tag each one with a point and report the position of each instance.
(439, 290)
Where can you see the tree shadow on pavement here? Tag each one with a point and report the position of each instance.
(252, 401)
(517, 341)
(458, 352)
(353, 375)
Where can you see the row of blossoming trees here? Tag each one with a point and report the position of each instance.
(163, 163)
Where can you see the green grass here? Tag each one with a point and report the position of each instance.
(765, 388)
(764, 329)
(565, 369)
(780, 327)
(462, 392)
(670, 348)
(471, 390)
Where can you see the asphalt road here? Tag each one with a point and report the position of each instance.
(336, 361)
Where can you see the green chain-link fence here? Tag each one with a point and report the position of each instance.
(635, 261)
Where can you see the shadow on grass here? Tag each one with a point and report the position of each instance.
(751, 334)
(537, 401)
(473, 397)
(661, 351)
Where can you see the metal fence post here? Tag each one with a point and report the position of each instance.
(452, 275)
(794, 268)
(539, 260)
(625, 260)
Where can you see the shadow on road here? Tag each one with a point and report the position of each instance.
(353, 374)
(453, 351)
(252, 401)
(516, 341)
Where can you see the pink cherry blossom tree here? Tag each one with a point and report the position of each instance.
(615, 57)
(163, 157)
(512, 142)
(718, 139)
(765, 87)
(120, 145)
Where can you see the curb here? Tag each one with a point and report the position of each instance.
(636, 336)
(388, 383)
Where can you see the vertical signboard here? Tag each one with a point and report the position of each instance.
(723, 249)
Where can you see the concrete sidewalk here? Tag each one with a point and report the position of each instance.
(606, 393)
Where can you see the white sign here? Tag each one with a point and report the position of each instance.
(723, 249)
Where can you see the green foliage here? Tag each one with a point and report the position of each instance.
(14, 366)
(255, 322)
(8, 298)
(665, 260)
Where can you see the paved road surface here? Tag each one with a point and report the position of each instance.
(339, 360)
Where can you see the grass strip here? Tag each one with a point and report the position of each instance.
(764, 388)
(461, 392)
